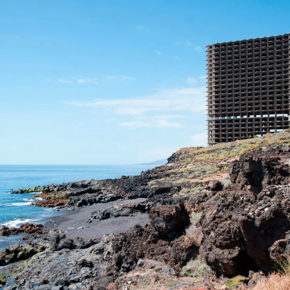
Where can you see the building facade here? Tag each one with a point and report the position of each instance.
(248, 88)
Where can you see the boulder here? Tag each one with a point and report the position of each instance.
(169, 220)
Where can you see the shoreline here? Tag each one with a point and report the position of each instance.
(203, 209)
(14, 240)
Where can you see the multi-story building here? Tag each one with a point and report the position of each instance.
(248, 88)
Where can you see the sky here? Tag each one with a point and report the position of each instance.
(114, 82)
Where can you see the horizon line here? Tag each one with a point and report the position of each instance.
(107, 164)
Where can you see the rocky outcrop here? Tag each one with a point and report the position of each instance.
(27, 228)
(162, 240)
(85, 193)
(239, 229)
(231, 212)
(121, 210)
(18, 253)
(169, 220)
(259, 169)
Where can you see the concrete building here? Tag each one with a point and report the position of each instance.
(248, 88)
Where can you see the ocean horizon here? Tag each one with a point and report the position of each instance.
(16, 209)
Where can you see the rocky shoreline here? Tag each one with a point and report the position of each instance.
(207, 217)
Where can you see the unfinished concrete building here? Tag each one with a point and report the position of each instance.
(248, 88)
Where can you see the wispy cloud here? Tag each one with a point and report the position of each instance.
(166, 100)
(79, 81)
(95, 80)
(158, 121)
(64, 81)
(167, 108)
(188, 43)
(121, 78)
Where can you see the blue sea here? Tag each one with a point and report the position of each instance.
(16, 209)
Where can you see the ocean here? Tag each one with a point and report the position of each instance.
(16, 209)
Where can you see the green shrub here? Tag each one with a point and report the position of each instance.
(197, 270)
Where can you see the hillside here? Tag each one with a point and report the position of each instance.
(211, 217)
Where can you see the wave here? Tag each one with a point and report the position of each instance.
(18, 203)
(25, 201)
(37, 199)
(16, 223)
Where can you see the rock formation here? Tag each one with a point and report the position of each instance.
(223, 209)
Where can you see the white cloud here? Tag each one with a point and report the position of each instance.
(151, 123)
(164, 101)
(120, 78)
(188, 43)
(87, 81)
(64, 81)
(165, 109)
(80, 81)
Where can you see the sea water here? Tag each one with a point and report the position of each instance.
(16, 209)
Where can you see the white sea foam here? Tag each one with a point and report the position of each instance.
(37, 199)
(19, 203)
(16, 223)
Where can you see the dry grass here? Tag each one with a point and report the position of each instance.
(274, 281)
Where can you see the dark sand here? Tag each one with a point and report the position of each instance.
(75, 222)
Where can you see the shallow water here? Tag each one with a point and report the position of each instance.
(16, 209)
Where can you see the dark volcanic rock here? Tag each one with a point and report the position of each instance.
(169, 219)
(27, 228)
(258, 169)
(215, 185)
(236, 230)
(17, 253)
(56, 240)
(123, 209)
(162, 240)
(146, 243)
(239, 229)
(88, 192)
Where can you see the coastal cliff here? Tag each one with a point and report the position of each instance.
(215, 217)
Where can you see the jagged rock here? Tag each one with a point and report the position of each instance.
(215, 185)
(17, 253)
(127, 209)
(239, 228)
(27, 228)
(182, 250)
(236, 230)
(258, 169)
(169, 219)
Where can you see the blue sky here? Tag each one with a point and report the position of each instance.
(113, 82)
